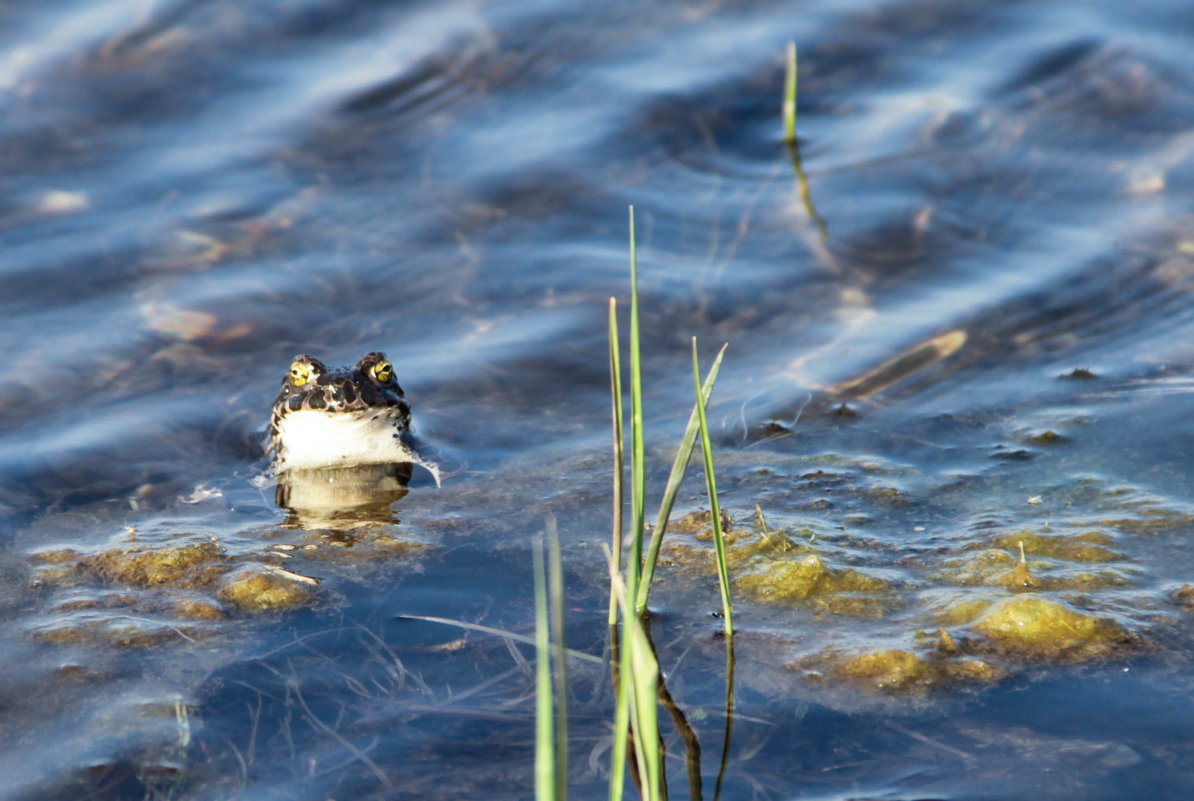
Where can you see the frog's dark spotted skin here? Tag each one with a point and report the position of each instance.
(366, 393)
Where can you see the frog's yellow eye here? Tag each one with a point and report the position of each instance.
(383, 372)
(300, 373)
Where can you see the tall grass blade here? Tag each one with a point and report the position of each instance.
(555, 592)
(637, 470)
(679, 465)
(645, 672)
(615, 378)
(638, 689)
(622, 669)
(789, 108)
(545, 758)
(620, 665)
(719, 543)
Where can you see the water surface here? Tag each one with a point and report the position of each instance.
(972, 324)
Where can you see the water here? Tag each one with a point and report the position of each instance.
(196, 192)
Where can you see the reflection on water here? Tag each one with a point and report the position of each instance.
(341, 497)
(193, 192)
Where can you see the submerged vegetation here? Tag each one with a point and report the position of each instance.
(140, 592)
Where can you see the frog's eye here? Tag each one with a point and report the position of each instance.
(300, 373)
(383, 371)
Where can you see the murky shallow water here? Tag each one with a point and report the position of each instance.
(193, 193)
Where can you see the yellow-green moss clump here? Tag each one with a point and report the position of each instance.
(997, 568)
(1046, 437)
(198, 609)
(1033, 626)
(116, 633)
(190, 565)
(899, 671)
(58, 556)
(793, 580)
(698, 523)
(266, 590)
(1089, 548)
(984, 568)
(891, 670)
(1183, 596)
(963, 612)
(768, 545)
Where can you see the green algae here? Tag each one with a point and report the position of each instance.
(1183, 596)
(190, 581)
(891, 670)
(198, 609)
(1089, 548)
(264, 589)
(998, 568)
(899, 671)
(105, 601)
(793, 580)
(1034, 626)
(56, 556)
(1129, 509)
(698, 523)
(963, 612)
(985, 568)
(193, 565)
(1151, 520)
(115, 632)
(768, 545)
(946, 643)
(1019, 628)
(859, 556)
(1047, 438)
(847, 605)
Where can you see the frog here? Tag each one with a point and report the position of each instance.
(328, 418)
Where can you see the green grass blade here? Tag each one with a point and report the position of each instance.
(621, 666)
(555, 592)
(638, 689)
(645, 672)
(789, 110)
(615, 378)
(545, 759)
(723, 575)
(638, 469)
(679, 465)
(623, 684)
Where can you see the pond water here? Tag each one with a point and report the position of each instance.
(960, 324)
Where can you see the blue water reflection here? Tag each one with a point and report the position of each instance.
(193, 193)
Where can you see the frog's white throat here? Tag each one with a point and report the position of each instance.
(311, 438)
